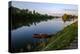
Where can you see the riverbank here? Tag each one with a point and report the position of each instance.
(63, 38)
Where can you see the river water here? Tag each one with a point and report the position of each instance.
(22, 36)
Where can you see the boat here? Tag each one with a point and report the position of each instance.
(40, 36)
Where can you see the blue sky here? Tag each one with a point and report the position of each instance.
(49, 8)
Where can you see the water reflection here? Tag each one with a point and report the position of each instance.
(22, 37)
(28, 22)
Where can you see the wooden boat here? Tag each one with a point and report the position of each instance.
(40, 36)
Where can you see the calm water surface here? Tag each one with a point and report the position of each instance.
(22, 36)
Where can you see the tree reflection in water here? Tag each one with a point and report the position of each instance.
(27, 18)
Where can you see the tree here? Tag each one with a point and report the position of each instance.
(34, 12)
(64, 17)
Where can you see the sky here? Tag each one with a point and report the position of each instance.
(47, 8)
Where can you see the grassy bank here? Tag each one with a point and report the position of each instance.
(63, 38)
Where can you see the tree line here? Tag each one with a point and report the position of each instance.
(19, 17)
(68, 17)
(25, 16)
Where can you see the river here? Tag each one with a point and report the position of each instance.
(22, 36)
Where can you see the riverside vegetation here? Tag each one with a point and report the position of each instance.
(60, 40)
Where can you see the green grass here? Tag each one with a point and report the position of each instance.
(62, 38)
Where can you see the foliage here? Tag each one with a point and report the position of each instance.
(62, 38)
(68, 17)
(24, 16)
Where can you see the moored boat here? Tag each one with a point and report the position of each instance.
(40, 35)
